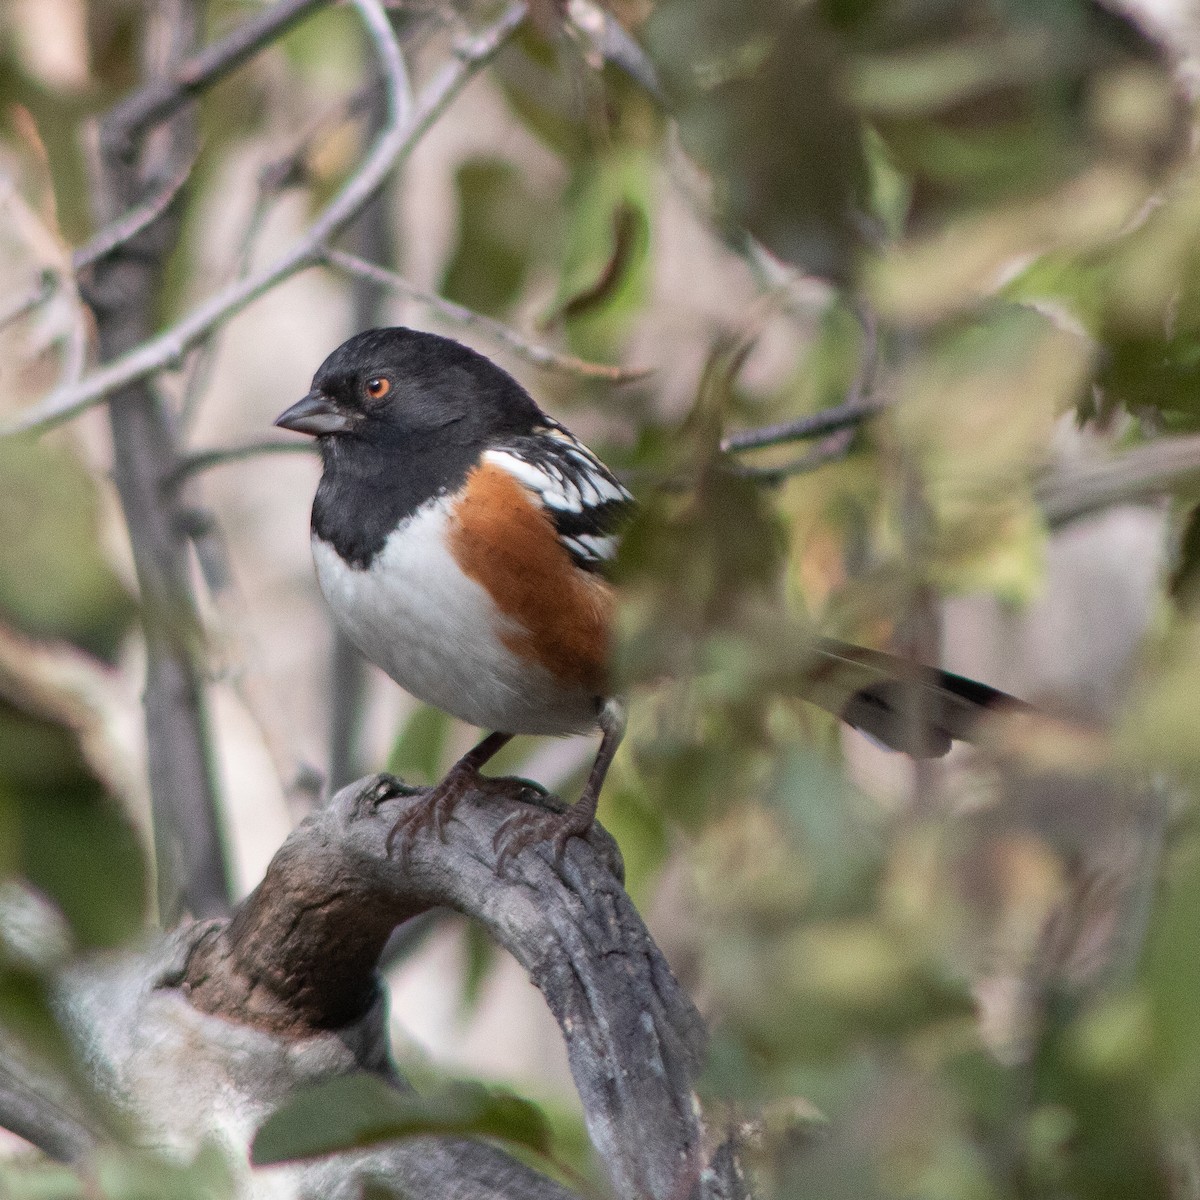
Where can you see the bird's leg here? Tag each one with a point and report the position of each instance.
(433, 811)
(528, 828)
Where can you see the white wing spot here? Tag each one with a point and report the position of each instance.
(555, 493)
(594, 545)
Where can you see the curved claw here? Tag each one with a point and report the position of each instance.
(522, 830)
(433, 813)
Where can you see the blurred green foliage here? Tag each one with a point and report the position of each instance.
(497, 236)
(62, 832)
(122, 1174)
(72, 875)
(357, 1111)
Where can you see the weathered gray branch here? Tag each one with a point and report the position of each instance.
(166, 95)
(121, 288)
(200, 1036)
(184, 1078)
(1078, 489)
(28, 1109)
(299, 958)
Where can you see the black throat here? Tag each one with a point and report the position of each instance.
(371, 486)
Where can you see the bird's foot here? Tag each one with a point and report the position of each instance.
(433, 811)
(525, 829)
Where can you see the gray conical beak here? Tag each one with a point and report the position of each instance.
(315, 414)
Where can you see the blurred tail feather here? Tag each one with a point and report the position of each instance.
(902, 705)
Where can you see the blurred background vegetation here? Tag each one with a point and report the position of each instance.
(976, 220)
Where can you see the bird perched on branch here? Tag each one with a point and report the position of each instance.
(460, 537)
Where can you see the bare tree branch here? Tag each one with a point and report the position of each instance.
(121, 287)
(540, 356)
(300, 954)
(860, 405)
(204, 460)
(828, 450)
(28, 1110)
(167, 95)
(401, 135)
(839, 416)
(1075, 490)
(185, 1079)
(108, 239)
(138, 218)
(293, 977)
(28, 301)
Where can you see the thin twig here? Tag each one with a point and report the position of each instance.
(860, 404)
(284, 172)
(540, 356)
(828, 420)
(45, 288)
(194, 74)
(609, 42)
(204, 460)
(128, 226)
(105, 242)
(271, 182)
(402, 134)
(829, 450)
(122, 289)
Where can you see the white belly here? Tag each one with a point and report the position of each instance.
(436, 632)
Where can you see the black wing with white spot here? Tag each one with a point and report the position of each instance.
(582, 497)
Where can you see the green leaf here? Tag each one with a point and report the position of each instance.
(23, 1180)
(840, 831)
(605, 273)
(66, 836)
(355, 1111)
(759, 103)
(1172, 975)
(420, 750)
(500, 228)
(480, 954)
(979, 111)
(81, 851)
(54, 578)
(120, 1173)
(138, 1175)
(27, 1016)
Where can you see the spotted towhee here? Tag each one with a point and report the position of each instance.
(460, 536)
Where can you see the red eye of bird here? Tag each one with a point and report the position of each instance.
(378, 387)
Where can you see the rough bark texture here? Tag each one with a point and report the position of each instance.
(122, 288)
(204, 1033)
(184, 1078)
(297, 962)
